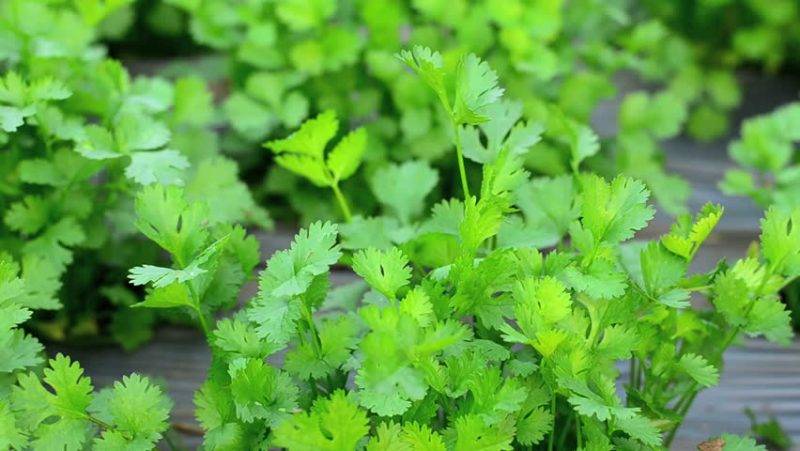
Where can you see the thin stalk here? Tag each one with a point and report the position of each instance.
(196, 307)
(316, 343)
(562, 437)
(578, 433)
(460, 156)
(342, 201)
(203, 322)
(551, 442)
(99, 422)
(686, 401)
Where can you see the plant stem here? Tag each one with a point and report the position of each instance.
(203, 323)
(342, 201)
(99, 422)
(316, 343)
(578, 433)
(553, 430)
(562, 437)
(686, 402)
(460, 156)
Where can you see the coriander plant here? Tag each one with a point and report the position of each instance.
(460, 331)
(79, 137)
(297, 59)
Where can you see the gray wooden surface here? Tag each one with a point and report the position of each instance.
(759, 375)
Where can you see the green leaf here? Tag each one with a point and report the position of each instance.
(301, 15)
(770, 318)
(29, 215)
(164, 167)
(11, 118)
(175, 294)
(698, 368)
(164, 216)
(162, 277)
(259, 391)
(11, 436)
(216, 183)
(337, 337)
(780, 241)
(534, 427)
(403, 188)
(613, 212)
(385, 271)
(136, 131)
(124, 406)
(73, 391)
(193, 102)
(640, 428)
(475, 89)
(344, 159)
(290, 272)
(333, 424)
(428, 65)
(471, 433)
(685, 237)
(584, 143)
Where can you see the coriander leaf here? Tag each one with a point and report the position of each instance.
(164, 166)
(475, 89)
(260, 391)
(770, 318)
(780, 241)
(302, 152)
(532, 428)
(175, 294)
(613, 212)
(685, 237)
(698, 368)
(471, 433)
(164, 216)
(334, 423)
(123, 407)
(385, 271)
(428, 65)
(345, 158)
(640, 428)
(403, 188)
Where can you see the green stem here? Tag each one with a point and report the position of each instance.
(553, 430)
(686, 401)
(196, 306)
(460, 156)
(578, 433)
(316, 343)
(562, 437)
(342, 202)
(99, 422)
(203, 322)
